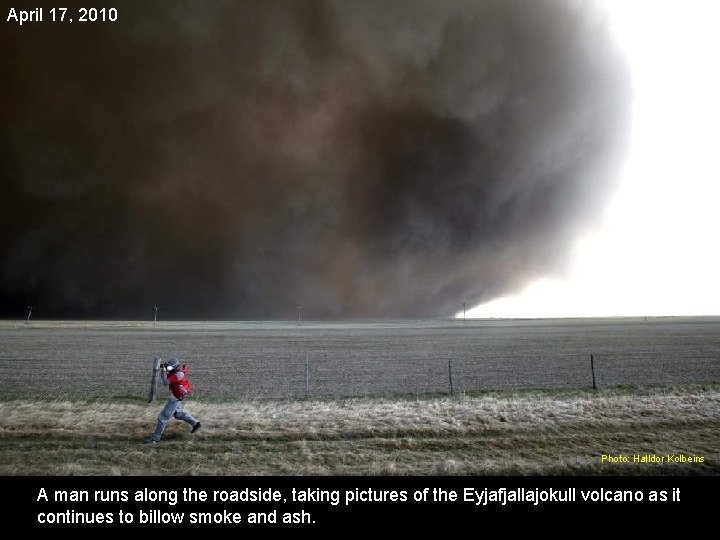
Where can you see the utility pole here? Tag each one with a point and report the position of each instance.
(29, 313)
(299, 310)
(155, 319)
(463, 311)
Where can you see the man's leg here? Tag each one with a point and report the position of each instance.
(164, 418)
(180, 414)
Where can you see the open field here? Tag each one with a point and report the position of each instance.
(249, 360)
(74, 399)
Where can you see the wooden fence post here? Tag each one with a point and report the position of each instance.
(154, 378)
(307, 376)
(592, 368)
(450, 375)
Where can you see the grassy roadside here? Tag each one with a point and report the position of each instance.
(503, 433)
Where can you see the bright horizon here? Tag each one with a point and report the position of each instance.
(657, 251)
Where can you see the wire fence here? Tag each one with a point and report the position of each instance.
(323, 377)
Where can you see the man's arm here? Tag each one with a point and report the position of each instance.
(163, 374)
(180, 377)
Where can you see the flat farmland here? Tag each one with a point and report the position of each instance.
(255, 360)
(365, 398)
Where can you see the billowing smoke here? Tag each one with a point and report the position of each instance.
(365, 158)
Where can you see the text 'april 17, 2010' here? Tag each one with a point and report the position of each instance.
(63, 15)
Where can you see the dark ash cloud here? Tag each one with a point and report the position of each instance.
(365, 158)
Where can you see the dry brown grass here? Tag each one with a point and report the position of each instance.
(525, 434)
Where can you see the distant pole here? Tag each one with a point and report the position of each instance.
(450, 375)
(299, 309)
(463, 311)
(29, 313)
(592, 368)
(155, 310)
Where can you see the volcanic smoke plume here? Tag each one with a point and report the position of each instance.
(365, 158)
